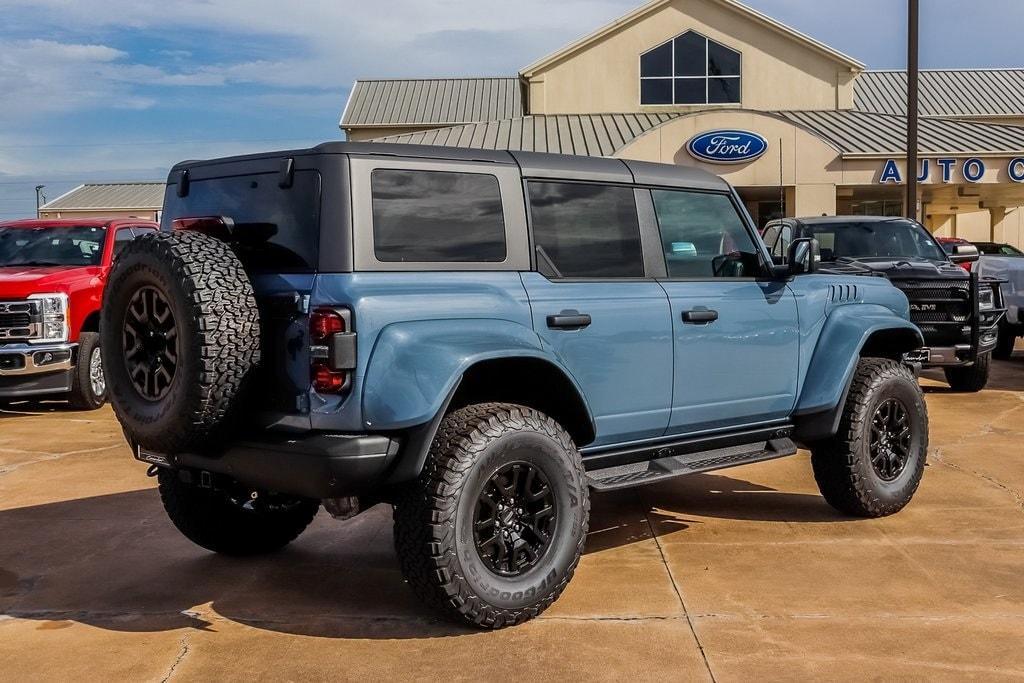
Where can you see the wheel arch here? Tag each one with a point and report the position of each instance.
(91, 322)
(525, 380)
(849, 334)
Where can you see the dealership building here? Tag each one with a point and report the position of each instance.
(796, 126)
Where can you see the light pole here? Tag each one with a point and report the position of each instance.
(912, 73)
(40, 198)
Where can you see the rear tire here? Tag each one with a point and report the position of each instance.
(228, 522)
(861, 471)
(492, 531)
(1007, 340)
(88, 384)
(970, 378)
(181, 337)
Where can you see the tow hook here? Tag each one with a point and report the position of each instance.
(343, 508)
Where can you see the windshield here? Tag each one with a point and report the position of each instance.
(994, 249)
(898, 238)
(51, 246)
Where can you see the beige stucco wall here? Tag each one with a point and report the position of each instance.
(812, 170)
(805, 158)
(778, 71)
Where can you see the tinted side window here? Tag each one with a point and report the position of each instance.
(437, 216)
(275, 229)
(583, 230)
(704, 236)
(122, 238)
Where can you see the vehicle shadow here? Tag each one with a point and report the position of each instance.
(1006, 375)
(681, 503)
(116, 562)
(21, 408)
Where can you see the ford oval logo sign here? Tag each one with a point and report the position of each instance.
(727, 146)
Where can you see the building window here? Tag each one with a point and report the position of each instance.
(690, 69)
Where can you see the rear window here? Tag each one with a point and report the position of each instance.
(585, 230)
(437, 216)
(275, 229)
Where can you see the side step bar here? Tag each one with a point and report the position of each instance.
(640, 473)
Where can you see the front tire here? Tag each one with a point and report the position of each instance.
(88, 382)
(492, 531)
(229, 521)
(1004, 346)
(874, 463)
(971, 378)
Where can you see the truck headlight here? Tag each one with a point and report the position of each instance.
(986, 299)
(54, 309)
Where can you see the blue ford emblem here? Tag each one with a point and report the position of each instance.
(727, 146)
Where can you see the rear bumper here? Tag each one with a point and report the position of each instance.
(30, 370)
(321, 465)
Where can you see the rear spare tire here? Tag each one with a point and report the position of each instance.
(180, 338)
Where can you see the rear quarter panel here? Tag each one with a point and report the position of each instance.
(416, 333)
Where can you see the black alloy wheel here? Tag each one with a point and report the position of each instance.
(514, 520)
(890, 439)
(150, 337)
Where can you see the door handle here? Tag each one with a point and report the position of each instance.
(700, 316)
(569, 320)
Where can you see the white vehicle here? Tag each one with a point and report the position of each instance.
(1005, 262)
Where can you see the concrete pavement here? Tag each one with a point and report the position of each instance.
(743, 574)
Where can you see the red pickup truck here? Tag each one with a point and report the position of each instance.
(52, 274)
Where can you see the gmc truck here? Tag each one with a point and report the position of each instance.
(52, 275)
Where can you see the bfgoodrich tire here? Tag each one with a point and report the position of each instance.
(970, 378)
(874, 463)
(491, 533)
(180, 339)
(229, 521)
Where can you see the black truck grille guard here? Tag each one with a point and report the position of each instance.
(947, 311)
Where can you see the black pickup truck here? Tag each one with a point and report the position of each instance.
(958, 312)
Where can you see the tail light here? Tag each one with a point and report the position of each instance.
(332, 350)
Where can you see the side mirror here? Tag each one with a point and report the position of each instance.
(803, 256)
(964, 253)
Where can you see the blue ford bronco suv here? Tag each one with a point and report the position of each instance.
(479, 339)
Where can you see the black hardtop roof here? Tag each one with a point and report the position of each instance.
(533, 164)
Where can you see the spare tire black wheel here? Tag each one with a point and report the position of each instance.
(180, 339)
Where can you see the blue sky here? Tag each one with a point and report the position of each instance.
(121, 89)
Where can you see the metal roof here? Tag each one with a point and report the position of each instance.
(583, 134)
(944, 92)
(103, 196)
(852, 133)
(857, 133)
(427, 102)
